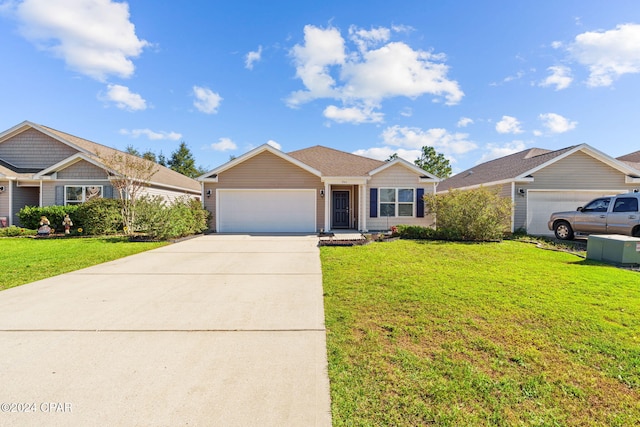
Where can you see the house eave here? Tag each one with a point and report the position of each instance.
(345, 180)
(490, 184)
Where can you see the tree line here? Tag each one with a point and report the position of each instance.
(181, 160)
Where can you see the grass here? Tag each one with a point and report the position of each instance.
(432, 333)
(26, 260)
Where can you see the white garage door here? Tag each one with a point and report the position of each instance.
(541, 204)
(266, 211)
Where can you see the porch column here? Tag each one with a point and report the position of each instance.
(362, 206)
(327, 207)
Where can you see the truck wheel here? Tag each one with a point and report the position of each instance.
(636, 232)
(563, 230)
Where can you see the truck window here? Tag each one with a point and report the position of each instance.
(597, 205)
(626, 204)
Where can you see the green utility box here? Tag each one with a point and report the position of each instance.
(614, 248)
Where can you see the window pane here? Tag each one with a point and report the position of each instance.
(74, 194)
(92, 192)
(405, 209)
(387, 209)
(405, 195)
(626, 205)
(387, 195)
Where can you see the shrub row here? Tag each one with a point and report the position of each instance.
(14, 231)
(153, 217)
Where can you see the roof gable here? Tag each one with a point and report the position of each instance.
(212, 174)
(413, 168)
(520, 166)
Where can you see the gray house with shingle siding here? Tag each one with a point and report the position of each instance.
(41, 166)
(540, 181)
(314, 189)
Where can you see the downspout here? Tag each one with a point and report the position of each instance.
(10, 203)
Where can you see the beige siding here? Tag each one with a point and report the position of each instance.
(396, 176)
(167, 195)
(265, 171)
(26, 149)
(579, 172)
(82, 170)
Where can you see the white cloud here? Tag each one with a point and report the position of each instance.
(206, 101)
(253, 57)
(406, 112)
(383, 153)
(93, 37)
(365, 39)
(555, 123)
(560, 77)
(352, 115)
(508, 124)
(416, 138)
(608, 54)
(376, 70)
(274, 144)
(224, 144)
(495, 151)
(464, 122)
(152, 135)
(124, 98)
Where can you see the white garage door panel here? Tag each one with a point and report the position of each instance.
(266, 211)
(541, 204)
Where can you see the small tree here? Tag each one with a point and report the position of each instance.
(182, 161)
(129, 175)
(476, 215)
(433, 162)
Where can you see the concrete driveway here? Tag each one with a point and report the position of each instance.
(219, 330)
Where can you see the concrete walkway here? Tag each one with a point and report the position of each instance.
(220, 330)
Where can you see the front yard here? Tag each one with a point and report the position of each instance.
(433, 333)
(26, 260)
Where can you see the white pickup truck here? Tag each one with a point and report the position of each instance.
(604, 215)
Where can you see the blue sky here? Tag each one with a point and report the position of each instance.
(474, 79)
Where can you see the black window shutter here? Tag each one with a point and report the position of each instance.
(59, 195)
(420, 203)
(373, 203)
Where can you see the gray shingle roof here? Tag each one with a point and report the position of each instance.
(164, 175)
(502, 169)
(331, 162)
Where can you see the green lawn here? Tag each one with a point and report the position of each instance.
(431, 333)
(25, 260)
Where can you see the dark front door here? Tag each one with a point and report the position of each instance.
(340, 209)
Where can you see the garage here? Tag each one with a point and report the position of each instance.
(541, 204)
(266, 210)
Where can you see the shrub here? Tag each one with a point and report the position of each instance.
(415, 232)
(473, 215)
(98, 217)
(30, 215)
(14, 231)
(160, 220)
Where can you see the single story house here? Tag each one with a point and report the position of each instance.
(540, 182)
(41, 166)
(312, 190)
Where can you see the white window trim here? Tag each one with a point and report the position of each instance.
(84, 194)
(397, 202)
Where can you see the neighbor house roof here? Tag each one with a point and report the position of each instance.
(164, 176)
(502, 169)
(521, 165)
(632, 159)
(331, 162)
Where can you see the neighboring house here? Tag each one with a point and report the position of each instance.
(540, 181)
(314, 189)
(40, 166)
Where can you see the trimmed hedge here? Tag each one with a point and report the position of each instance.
(98, 217)
(30, 215)
(14, 231)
